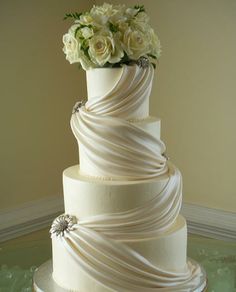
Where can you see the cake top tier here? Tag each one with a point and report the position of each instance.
(120, 92)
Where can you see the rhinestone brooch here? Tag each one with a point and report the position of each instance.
(63, 224)
(143, 62)
(77, 106)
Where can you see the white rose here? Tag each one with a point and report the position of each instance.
(86, 32)
(70, 48)
(85, 62)
(107, 13)
(117, 50)
(118, 14)
(103, 49)
(100, 48)
(73, 28)
(102, 13)
(131, 12)
(135, 44)
(140, 22)
(122, 25)
(155, 45)
(86, 19)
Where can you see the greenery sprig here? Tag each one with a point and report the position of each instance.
(140, 8)
(75, 15)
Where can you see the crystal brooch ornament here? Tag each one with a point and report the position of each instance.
(63, 224)
(143, 62)
(77, 106)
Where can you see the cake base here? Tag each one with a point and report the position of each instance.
(43, 281)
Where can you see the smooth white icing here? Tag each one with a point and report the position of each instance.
(150, 125)
(100, 81)
(111, 145)
(86, 196)
(154, 215)
(120, 92)
(156, 256)
(128, 244)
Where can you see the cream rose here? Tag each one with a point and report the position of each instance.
(135, 44)
(140, 22)
(117, 50)
(86, 64)
(107, 12)
(70, 48)
(86, 19)
(86, 32)
(122, 25)
(103, 49)
(102, 13)
(73, 29)
(131, 12)
(155, 46)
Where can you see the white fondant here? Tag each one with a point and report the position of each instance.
(150, 125)
(112, 216)
(148, 219)
(100, 81)
(161, 251)
(167, 251)
(85, 196)
(117, 148)
(109, 142)
(122, 92)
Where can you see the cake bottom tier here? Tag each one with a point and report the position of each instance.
(43, 281)
(167, 252)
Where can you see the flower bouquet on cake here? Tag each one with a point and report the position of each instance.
(109, 36)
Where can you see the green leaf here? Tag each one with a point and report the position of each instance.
(81, 26)
(154, 65)
(140, 8)
(75, 15)
(84, 47)
(152, 56)
(86, 25)
(125, 58)
(76, 31)
(113, 27)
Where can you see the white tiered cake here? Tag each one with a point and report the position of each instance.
(123, 231)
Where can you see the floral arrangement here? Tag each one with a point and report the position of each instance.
(109, 36)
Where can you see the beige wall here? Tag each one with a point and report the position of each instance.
(194, 94)
(196, 97)
(38, 88)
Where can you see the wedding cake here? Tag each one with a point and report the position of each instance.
(121, 230)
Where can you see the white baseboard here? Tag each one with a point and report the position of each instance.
(210, 222)
(37, 215)
(29, 217)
